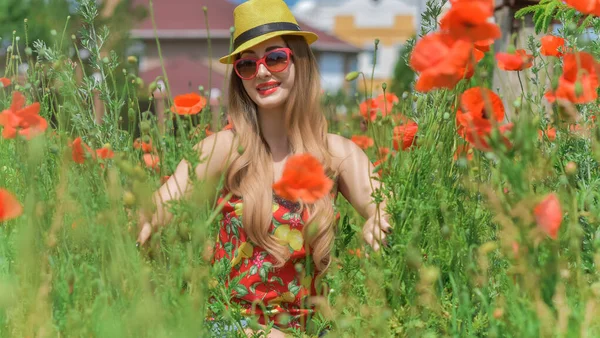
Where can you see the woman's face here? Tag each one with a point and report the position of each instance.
(271, 86)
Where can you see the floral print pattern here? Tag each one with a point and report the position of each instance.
(279, 290)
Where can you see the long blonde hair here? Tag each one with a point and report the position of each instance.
(250, 175)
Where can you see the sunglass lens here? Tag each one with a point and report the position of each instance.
(277, 61)
(246, 68)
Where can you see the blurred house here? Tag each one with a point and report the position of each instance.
(360, 22)
(191, 61)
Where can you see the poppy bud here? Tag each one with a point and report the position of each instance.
(128, 199)
(376, 42)
(131, 113)
(132, 59)
(105, 60)
(352, 76)
(240, 150)
(571, 168)
(28, 51)
(152, 86)
(446, 116)
(145, 127)
(384, 86)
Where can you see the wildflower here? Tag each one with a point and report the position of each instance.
(364, 142)
(548, 215)
(518, 61)
(188, 104)
(405, 135)
(145, 146)
(105, 153)
(579, 80)
(550, 133)
(552, 45)
(463, 150)
(585, 6)
(79, 149)
(9, 206)
(151, 161)
(303, 180)
(5, 82)
(355, 252)
(483, 45)
(441, 61)
(474, 120)
(21, 119)
(470, 20)
(382, 103)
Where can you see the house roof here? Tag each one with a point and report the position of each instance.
(184, 19)
(186, 75)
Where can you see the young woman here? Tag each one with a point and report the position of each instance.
(274, 109)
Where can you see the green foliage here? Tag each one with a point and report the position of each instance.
(403, 73)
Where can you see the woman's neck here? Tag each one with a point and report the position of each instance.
(274, 131)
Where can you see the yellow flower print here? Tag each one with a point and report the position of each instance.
(292, 237)
(275, 207)
(286, 297)
(239, 208)
(245, 250)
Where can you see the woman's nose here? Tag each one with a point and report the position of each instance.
(263, 72)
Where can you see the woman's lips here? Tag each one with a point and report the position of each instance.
(268, 88)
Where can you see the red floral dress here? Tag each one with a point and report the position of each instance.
(281, 291)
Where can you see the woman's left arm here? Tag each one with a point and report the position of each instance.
(357, 186)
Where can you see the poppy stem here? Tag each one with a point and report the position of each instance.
(522, 89)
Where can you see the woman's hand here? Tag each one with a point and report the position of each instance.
(375, 230)
(145, 232)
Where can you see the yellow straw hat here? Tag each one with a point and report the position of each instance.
(256, 21)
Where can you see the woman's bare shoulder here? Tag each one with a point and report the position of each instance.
(339, 148)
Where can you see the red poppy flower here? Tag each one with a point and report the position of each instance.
(550, 133)
(483, 45)
(303, 180)
(441, 61)
(5, 82)
(585, 6)
(105, 153)
(463, 150)
(383, 152)
(21, 119)
(382, 104)
(579, 80)
(405, 135)
(188, 104)
(78, 150)
(469, 20)
(151, 161)
(518, 61)
(474, 119)
(9, 206)
(552, 45)
(364, 142)
(548, 215)
(145, 146)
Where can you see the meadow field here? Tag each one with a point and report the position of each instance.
(494, 200)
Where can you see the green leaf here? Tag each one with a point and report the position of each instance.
(240, 290)
(276, 279)
(263, 273)
(253, 270)
(228, 247)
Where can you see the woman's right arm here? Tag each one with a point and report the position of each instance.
(215, 151)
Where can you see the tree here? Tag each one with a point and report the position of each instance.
(403, 74)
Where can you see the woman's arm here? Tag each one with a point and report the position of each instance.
(355, 183)
(214, 152)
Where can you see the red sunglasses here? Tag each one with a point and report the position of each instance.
(276, 60)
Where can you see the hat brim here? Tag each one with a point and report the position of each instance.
(229, 59)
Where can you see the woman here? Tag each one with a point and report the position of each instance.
(274, 109)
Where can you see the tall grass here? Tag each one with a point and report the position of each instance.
(465, 257)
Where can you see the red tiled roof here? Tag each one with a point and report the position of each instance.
(185, 19)
(185, 75)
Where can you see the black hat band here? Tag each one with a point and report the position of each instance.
(264, 29)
